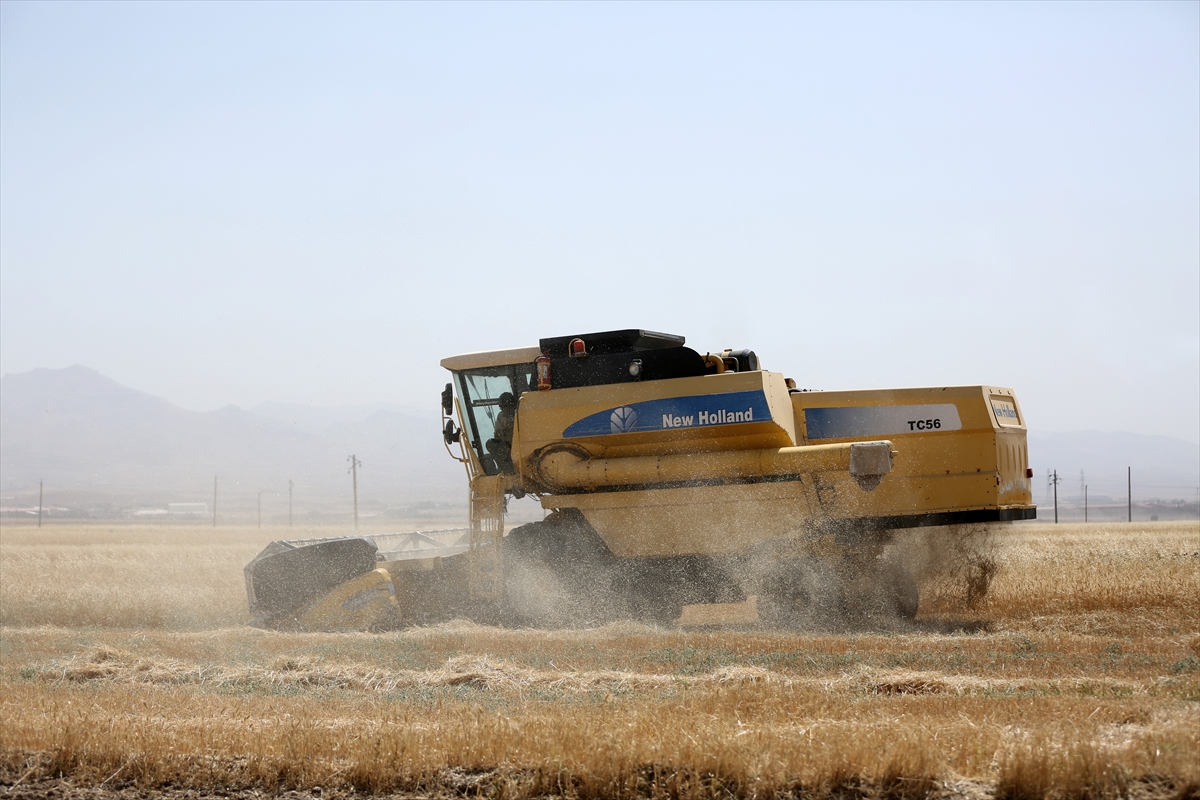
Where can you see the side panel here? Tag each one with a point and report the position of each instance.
(942, 436)
(955, 461)
(731, 411)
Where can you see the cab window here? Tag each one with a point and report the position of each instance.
(479, 392)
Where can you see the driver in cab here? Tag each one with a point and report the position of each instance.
(500, 445)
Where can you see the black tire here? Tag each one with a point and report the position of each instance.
(534, 595)
(881, 591)
(653, 607)
(798, 595)
(555, 576)
(906, 597)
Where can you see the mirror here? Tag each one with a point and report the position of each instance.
(447, 401)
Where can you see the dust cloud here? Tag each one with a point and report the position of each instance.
(953, 564)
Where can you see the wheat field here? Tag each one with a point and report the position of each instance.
(126, 668)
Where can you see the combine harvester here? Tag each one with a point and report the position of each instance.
(672, 478)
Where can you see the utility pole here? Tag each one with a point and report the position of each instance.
(1129, 478)
(214, 501)
(1085, 503)
(1054, 480)
(354, 465)
(260, 508)
(39, 504)
(289, 502)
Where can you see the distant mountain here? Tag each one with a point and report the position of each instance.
(319, 419)
(76, 428)
(1162, 466)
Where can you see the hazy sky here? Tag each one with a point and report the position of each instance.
(223, 203)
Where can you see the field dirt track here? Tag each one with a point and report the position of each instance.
(126, 671)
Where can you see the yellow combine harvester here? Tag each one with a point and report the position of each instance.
(672, 478)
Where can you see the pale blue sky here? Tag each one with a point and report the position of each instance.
(229, 203)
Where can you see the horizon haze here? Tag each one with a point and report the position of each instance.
(106, 450)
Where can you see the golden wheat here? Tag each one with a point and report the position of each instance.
(123, 659)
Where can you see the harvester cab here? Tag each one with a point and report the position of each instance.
(672, 477)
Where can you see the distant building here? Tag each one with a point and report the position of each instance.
(188, 509)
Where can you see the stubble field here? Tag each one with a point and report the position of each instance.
(125, 669)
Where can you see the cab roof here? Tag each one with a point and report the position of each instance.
(492, 358)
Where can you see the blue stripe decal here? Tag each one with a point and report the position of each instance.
(695, 411)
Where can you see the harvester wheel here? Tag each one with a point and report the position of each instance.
(797, 594)
(882, 590)
(533, 593)
(553, 578)
(905, 595)
(654, 607)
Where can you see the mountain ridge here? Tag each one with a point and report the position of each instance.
(76, 427)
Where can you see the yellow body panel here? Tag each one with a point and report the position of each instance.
(952, 454)
(981, 445)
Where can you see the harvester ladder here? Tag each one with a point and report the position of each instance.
(485, 559)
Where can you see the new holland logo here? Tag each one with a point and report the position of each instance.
(623, 419)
